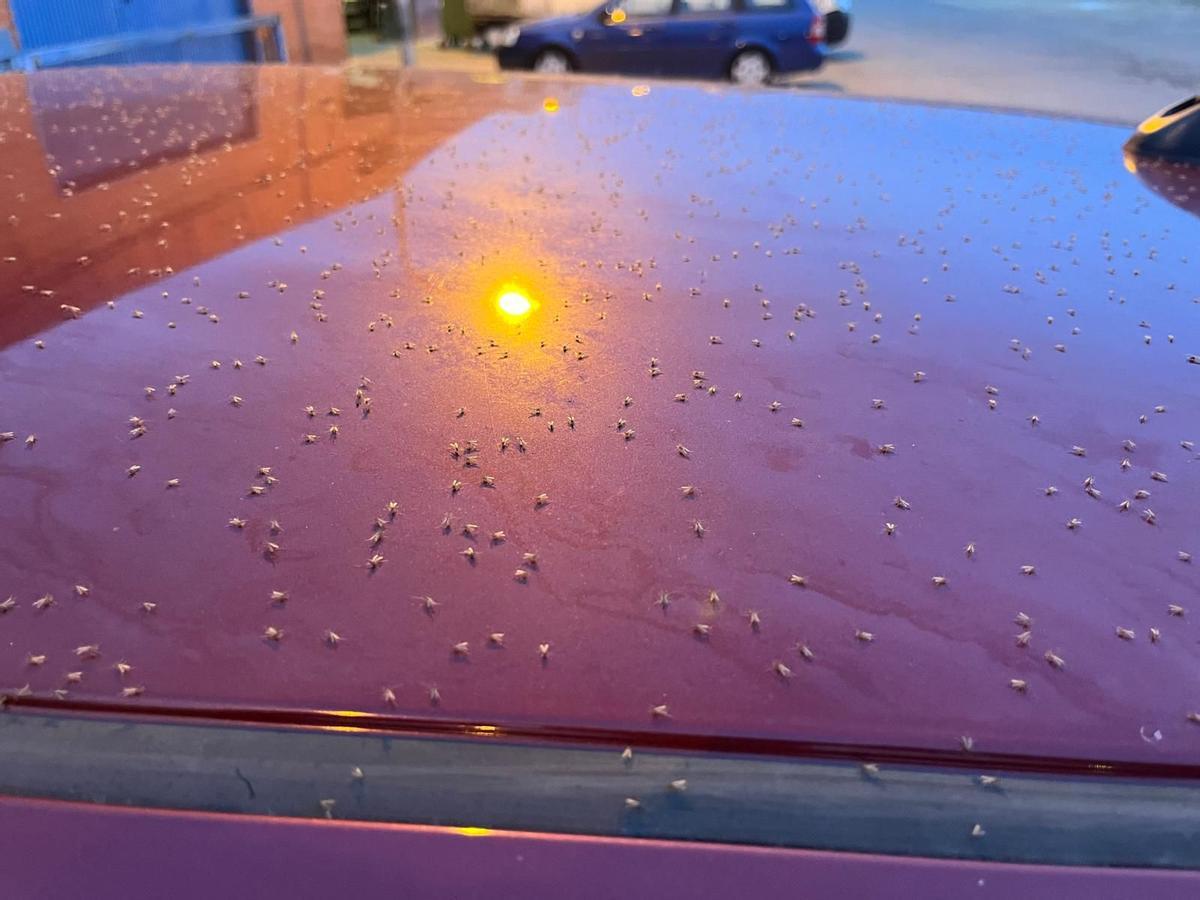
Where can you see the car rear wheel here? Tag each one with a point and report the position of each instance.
(552, 62)
(750, 67)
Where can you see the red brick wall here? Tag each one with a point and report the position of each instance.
(314, 132)
(6, 21)
(315, 30)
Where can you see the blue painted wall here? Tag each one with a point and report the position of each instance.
(43, 23)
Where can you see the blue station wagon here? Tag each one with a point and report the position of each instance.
(746, 41)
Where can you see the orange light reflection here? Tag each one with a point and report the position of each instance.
(513, 303)
(344, 714)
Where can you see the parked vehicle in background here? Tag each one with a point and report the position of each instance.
(746, 41)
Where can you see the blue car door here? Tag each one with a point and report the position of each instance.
(596, 42)
(630, 37)
(781, 24)
(701, 38)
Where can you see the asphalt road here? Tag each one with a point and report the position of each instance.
(1110, 60)
(1115, 60)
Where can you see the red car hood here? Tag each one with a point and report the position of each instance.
(910, 323)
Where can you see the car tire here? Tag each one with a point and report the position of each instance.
(552, 62)
(751, 68)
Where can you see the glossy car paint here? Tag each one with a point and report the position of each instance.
(1177, 182)
(192, 855)
(762, 239)
(683, 43)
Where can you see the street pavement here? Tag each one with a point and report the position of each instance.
(1109, 60)
(1114, 60)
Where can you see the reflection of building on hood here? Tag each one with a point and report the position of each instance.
(78, 172)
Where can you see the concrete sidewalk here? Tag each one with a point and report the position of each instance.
(366, 51)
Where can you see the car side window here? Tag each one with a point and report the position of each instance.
(703, 7)
(766, 5)
(640, 9)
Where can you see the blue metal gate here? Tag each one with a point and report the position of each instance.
(44, 23)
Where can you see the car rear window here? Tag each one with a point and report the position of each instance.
(643, 8)
(704, 6)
